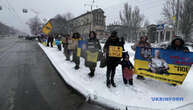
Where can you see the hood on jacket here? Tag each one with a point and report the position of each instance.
(180, 39)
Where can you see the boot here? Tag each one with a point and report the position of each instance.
(91, 74)
(67, 59)
(125, 81)
(76, 67)
(174, 85)
(140, 77)
(108, 83)
(131, 82)
(113, 83)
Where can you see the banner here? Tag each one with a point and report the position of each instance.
(165, 65)
(115, 51)
(47, 28)
(81, 45)
(54, 43)
(92, 56)
(44, 42)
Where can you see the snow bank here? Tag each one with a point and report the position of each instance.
(137, 97)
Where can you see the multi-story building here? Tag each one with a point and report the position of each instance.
(90, 21)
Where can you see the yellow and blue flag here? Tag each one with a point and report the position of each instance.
(82, 44)
(161, 64)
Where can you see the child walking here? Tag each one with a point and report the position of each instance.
(127, 69)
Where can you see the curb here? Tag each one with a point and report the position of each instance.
(87, 97)
(91, 97)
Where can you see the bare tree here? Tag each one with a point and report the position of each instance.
(61, 24)
(35, 25)
(68, 16)
(186, 19)
(169, 11)
(131, 21)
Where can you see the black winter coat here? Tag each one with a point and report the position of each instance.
(174, 47)
(112, 42)
(127, 64)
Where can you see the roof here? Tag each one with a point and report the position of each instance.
(95, 10)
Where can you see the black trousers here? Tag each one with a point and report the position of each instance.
(76, 59)
(59, 47)
(92, 70)
(50, 40)
(111, 68)
(66, 51)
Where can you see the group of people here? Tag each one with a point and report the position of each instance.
(70, 47)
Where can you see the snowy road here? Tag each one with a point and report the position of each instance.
(29, 82)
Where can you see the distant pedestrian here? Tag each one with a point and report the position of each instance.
(65, 45)
(58, 42)
(50, 40)
(69, 47)
(76, 59)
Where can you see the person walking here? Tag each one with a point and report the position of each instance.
(93, 48)
(179, 45)
(76, 59)
(65, 45)
(141, 43)
(127, 69)
(50, 40)
(112, 61)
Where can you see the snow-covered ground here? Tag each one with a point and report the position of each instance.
(137, 97)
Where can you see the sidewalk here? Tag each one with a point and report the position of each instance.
(138, 97)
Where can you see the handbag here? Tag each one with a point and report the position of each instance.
(103, 61)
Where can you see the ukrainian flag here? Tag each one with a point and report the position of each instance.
(81, 45)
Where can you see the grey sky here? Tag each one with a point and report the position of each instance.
(49, 8)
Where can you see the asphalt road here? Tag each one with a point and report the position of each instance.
(29, 82)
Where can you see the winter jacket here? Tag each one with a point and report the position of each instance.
(112, 41)
(75, 43)
(141, 44)
(180, 48)
(127, 64)
(93, 45)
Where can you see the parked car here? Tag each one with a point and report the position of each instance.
(30, 37)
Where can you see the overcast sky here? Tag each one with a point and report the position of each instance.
(12, 9)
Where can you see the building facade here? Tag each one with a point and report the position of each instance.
(156, 35)
(90, 21)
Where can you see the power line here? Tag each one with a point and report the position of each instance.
(7, 7)
(14, 11)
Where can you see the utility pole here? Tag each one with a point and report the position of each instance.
(91, 15)
(91, 27)
(177, 17)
